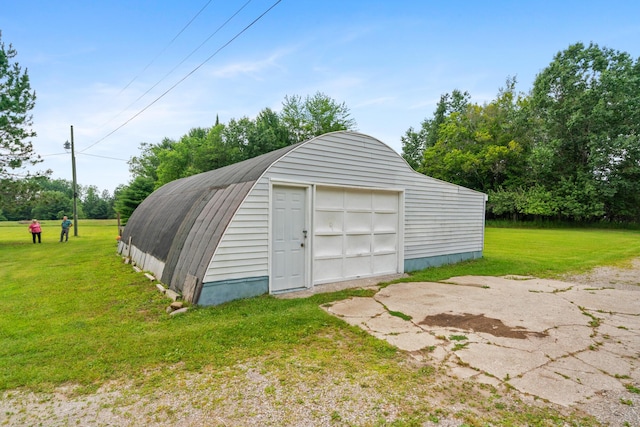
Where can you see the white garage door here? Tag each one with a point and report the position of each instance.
(355, 233)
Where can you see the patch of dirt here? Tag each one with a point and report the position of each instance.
(614, 277)
(479, 323)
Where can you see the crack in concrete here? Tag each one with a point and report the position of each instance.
(570, 350)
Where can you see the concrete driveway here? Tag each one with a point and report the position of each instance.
(571, 344)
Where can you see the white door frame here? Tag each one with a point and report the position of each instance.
(308, 255)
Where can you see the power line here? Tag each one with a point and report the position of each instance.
(154, 59)
(183, 61)
(53, 154)
(166, 47)
(185, 77)
(84, 154)
(104, 157)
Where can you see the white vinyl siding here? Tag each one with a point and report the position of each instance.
(439, 218)
(243, 251)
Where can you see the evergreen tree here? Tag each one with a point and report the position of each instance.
(16, 150)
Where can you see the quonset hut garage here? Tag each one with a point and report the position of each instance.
(337, 207)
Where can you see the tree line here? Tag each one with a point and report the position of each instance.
(47, 199)
(205, 149)
(567, 150)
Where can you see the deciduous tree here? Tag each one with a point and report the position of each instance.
(587, 102)
(316, 115)
(204, 149)
(479, 146)
(415, 142)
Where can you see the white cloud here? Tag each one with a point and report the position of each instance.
(254, 69)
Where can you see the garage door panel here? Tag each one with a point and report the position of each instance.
(358, 200)
(357, 221)
(385, 264)
(329, 221)
(385, 243)
(358, 244)
(385, 222)
(357, 266)
(326, 270)
(328, 246)
(330, 198)
(385, 201)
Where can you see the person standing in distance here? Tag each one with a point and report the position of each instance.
(35, 230)
(66, 225)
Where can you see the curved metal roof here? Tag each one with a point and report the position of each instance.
(170, 223)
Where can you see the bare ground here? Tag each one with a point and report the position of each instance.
(627, 277)
(253, 395)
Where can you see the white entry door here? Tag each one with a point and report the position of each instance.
(289, 241)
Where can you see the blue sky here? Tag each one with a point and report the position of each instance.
(103, 66)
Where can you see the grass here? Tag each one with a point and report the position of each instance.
(74, 313)
(632, 389)
(399, 314)
(546, 253)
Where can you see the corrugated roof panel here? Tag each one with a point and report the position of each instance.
(170, 223)
(203, 238)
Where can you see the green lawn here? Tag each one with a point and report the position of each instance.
(544, 253)
(75, 313)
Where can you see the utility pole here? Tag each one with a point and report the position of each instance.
(75, 185)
